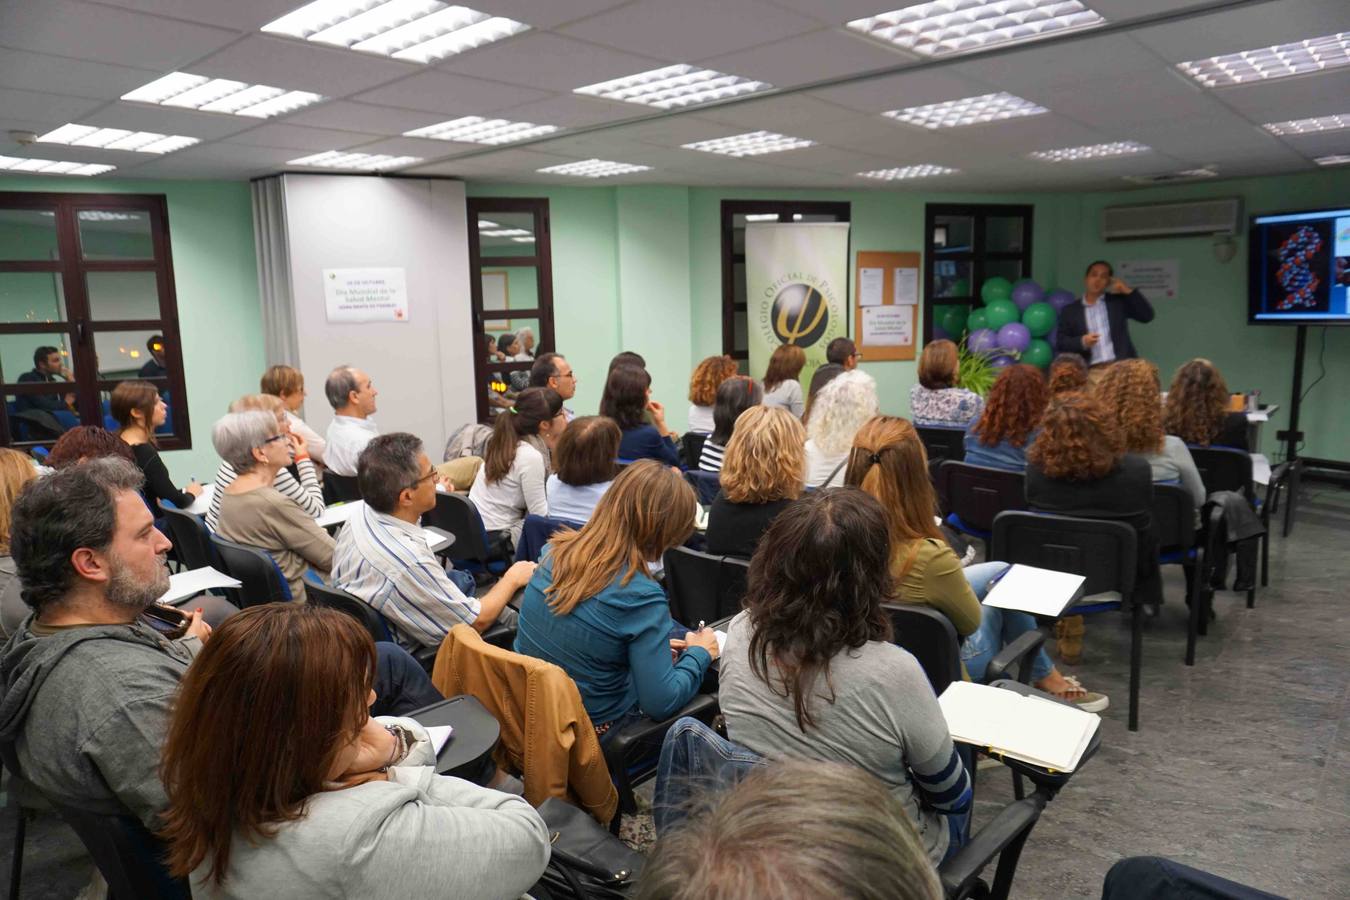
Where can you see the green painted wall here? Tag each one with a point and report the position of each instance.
(215, 276)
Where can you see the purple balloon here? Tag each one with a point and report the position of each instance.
(1053, 339)
(982, 340)
(940, 333)
(1059, 299)
(1014, 336)
(1027, 292)
(1002, 362)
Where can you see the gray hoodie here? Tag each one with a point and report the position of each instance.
(87, 709)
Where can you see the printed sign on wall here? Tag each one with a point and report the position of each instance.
(1156, 279)
(366, 295)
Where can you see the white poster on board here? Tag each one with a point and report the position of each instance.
(366, 295)
(888, 326)
(1156, 279)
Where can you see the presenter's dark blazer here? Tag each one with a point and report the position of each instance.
(1119, 308)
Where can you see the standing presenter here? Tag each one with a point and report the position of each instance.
(1097, 325)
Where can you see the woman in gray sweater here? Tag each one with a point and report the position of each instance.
(280, 785)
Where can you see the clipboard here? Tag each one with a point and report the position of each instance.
(886, 311)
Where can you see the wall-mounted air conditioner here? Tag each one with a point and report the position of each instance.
(1221, 215)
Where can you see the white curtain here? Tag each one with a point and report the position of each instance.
(274, 272)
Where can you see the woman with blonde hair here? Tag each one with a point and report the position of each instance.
(306, 492)
(139, 410)
(936, 400)
(888, 461)
(703, 384)
(839, 410)
(16, 470)
(1131, 393)
(1197, 408)
(289, 384)
(781, 384)
(593, 609)
(762, 472)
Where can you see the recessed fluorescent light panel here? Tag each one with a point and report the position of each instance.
(116, 139)
(1309, 126)
(502, 232)
(1169, 177)
(523, 240)
(594, 168)
(673, 87)
(477, 130)
(1091, 151)
(51, 166)
(754, 143)
(103, 215)
(220, 95)
(968, 111)
(334, 159)
(957, 26)
(1337, 159)
(923, 170)
(420, 31)
(1317, 54)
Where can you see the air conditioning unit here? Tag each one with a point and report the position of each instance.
(1221, 215)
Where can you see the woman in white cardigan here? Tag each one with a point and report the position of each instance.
(510, 483)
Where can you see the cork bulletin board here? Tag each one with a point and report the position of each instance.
(886, 317)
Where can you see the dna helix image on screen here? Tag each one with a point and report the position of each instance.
(1295, 274)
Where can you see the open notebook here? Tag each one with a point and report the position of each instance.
(1033, 729)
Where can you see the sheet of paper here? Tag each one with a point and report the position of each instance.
(1041, 592)
(870, 286)
(435, 541)
(339, 513)
(1260, 468)
(906, 287)
(1258, 416)
(440, 735)
(202, 505)
(186, 584)
(721, 642)
(1033, 729)
(888, 326)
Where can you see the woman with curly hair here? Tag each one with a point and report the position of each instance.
(1131, 394)
(1068, 372)
(761, 474)
(86, 442)
(936, 400)
(1007, 426)
(781, 385)
(1197, 408)
(703, 384)
(839, 410)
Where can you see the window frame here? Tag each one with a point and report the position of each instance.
(977, 255)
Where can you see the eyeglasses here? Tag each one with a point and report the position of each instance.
(275, 437)
(433, 475)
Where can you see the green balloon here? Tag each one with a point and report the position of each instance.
(1039, 319)
(960, 288)
(1001, 312)
(996, 288)
(978, 318)
(954, 320)
(1038, 353)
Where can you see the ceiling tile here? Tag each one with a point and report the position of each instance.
(571, 111)
(299, 137)
(60, 75)
(241, 15)
(877, 95)
(1302, 97)
(1325, 143)
(1247, 28)
(343, 114)
(545, 15)
(791, 112)
(230, 161)
(504, 161)
(807, 58)
(690, 29)
(167, 120)
(1033, 66)
(105, 34)
(1110, 103)
(548, 61)
(452, 95)
(1124, 10)
(423, 148)
(838, 12)
(297, 65)
(42, 107)
(670, 132)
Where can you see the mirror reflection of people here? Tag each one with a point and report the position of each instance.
(139, 410)
(48, 366)
(154, 367)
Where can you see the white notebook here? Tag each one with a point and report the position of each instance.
(183, 585)
(339, 513)
(1041, 592)
(202, 505)
(1032, 729)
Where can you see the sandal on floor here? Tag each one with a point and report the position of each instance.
(1087, 701)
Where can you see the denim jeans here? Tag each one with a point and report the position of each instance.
(695, 760)
(401, 684)
(998, 628)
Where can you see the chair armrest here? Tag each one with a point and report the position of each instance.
(636, 735)
(960, 870)
(1021, 652)
(499, 635)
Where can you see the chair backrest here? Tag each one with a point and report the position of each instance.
(1173, 517)
(705, 484)
(535, 532)
(943, 441)
(977, 494)
(358, 609)
(191, 539)
(260, 578)
(1101, 550)
(342, 488)
(456, 515)
(931, 638)
(1224, 469)
(691, 448)
(703, 586)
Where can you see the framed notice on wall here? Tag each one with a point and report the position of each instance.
(886, 317)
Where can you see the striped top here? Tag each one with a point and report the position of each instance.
(710, 460)
(306, 493)
(386, 562)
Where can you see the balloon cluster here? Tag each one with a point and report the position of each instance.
(1016, 324)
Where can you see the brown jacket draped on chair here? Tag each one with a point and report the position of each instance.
(546, 735)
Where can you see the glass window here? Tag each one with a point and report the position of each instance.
(506, 234)
(19, 351)
(965, 246)
(28, 234)
(130, 354)
(31, 297)
(122, 295)
(115, 234)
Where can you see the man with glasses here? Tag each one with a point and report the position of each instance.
(551, 370)
(841, 351)
(382, 555)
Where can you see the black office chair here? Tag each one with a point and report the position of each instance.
(191, 539)
(1174, 524)
(473, 548)
(930, 637)
(691, 448)
(358, 609)
(705, 484)
(974, 495)
(1229, 469)
(1105, 552)
(340, 488)
(260, 578)
(702, 586)
(943, 441)
(534, 535)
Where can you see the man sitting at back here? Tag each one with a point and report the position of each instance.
(352, 396)
(552, 370)
(87, 682)
(382, 556)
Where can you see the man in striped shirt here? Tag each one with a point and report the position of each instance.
(383, 558)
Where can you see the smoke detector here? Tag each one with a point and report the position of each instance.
(23, 138)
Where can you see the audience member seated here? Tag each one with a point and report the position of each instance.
(844, 353)
(553, 371)
(16, 470)
(763, 472)
(526, 337)
(1077, 467)
(889, 463)
(585, 459)
(280, 783)
(288, 384)
(85, 442)
(819, 378)
(352, 396)
(936, 400)
(781, 387)
(627, 358)
(382, 555)
(48, 367)
(734, 396)
(593, 609)
(840, 409)
(1197, 408)
(793, 829)
(508, 346)
(703, 391)
(1068, 372)
(253, 511)
(1132, 396)
(628, 401)
(1000, 436)
(139, 410)
(809, 670)
(306, 493)
(511, 482)
(154, 366)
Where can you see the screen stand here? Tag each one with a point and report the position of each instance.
(1292, 436)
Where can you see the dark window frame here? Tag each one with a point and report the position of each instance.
(80, 328)
(977, 255)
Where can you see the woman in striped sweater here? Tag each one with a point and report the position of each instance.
(734, 396)
(305, 491)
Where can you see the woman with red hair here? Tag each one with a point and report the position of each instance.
(1012, 413)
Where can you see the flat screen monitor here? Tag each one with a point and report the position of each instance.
(1300, 268)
